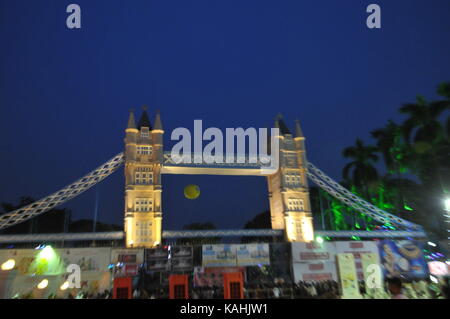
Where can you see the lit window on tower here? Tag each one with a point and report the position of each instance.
(143, 205)
(143, 231)
(298, 227)
(295, 204)
(145, 132)
(144, 150)
(292, 180)
(143, 176)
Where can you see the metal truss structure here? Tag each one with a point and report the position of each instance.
(316, 175)
(178, 234)
(350, 199)
(222, 233)
(209, 162)
(47, 238)
(60, 197)
(371, 234)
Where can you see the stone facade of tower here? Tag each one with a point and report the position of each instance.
(143, 161)
(290, 206)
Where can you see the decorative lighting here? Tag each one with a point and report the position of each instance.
(319, 239)
(431, 244)
(447, 204)
(434, 279)
(406, 207)
(47, 252)
(9, 264)
(43, 284)
(64, 286)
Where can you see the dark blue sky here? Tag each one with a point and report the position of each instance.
(65, 94)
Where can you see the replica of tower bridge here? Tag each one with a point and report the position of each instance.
(145, 162)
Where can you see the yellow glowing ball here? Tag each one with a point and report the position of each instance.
(192, 191)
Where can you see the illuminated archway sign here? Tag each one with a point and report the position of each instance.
(146, 161)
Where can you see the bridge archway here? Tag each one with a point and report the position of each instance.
(146, 162)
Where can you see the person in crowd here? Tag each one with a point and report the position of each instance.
(395, 288)
(445, 288)
(276, 292)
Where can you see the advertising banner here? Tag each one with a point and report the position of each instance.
(167, 258)
(253, 255)
(402, 259)
(23, 258)
(438, 268)
(313, 252)
(94, 266)
(89, 259)
(315, 271)
(157, 259)
(181, 258)
(348, 277)
(219, 256)
(128, 261)
(372, 274)
(34, 265)
(213, 277)
(357, 248)
(127, 256)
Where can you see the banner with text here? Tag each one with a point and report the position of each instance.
(356, 248)
(219, 256)
(315, 271)
(313, 252)
(127, 261)
(403, 258)
(348, 276)
(253, 255)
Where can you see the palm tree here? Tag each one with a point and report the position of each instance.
(423, 127)
(397, 155)
(364, 173)
(425, 133)
(389, 143)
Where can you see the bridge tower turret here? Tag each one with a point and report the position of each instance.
(290, 207)
(143, 161)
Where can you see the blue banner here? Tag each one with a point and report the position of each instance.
(403, 259)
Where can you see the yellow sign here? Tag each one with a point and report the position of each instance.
(348, 276)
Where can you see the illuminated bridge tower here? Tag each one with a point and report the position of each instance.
(290, 206)
(143, 161)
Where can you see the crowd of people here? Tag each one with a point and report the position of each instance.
(393, 288)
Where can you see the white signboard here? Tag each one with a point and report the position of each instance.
(348, 277)
(219, 256)
(313, 252)
(315, 271)
(356, 248)
(89, 259)
(253, 254)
